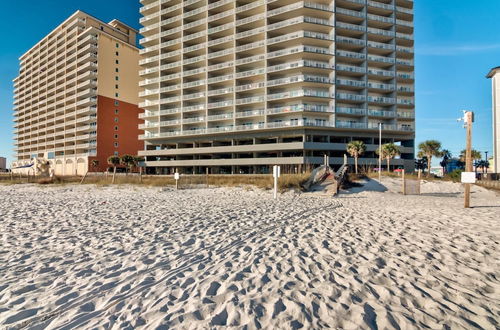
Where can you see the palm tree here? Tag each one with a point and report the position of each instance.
(356, 149)
(94, 164)
(429, 149)
(483, 164)
(114, 161)
(475, 155)
(128, 161)
(421, 163)
(446, 154)
(389, 151)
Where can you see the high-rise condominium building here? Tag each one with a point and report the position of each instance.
(494, 74)
(76, 96)
(240, 85)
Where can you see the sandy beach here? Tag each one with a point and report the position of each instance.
(136, 257)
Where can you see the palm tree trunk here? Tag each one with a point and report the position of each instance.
(356, 164)
(388, 165)
(114, 173)
(429, 164)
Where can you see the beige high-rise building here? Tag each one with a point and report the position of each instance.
(494, 74)
(240, 85)
(76, 97)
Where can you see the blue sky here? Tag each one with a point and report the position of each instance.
(456, 43)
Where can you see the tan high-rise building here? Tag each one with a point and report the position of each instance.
(240, 85)
(76, 96)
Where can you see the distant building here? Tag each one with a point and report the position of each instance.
(77, 95)
(454, 164)
(438, 171)
(3, 164)
(494, 74)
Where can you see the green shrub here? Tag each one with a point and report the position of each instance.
(455, 175)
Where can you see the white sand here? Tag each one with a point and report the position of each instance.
(85, 256)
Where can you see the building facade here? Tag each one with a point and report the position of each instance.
(76, 96)
(494, 74)
(237, 86)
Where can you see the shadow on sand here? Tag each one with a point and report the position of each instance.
(367, 185)
(441, 194)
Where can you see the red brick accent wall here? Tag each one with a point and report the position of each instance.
(127, 134)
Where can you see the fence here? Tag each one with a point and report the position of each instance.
(411, 186)
(489, 184)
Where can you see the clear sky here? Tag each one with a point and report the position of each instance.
(456, 43)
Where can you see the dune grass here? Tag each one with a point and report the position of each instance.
(263, 181)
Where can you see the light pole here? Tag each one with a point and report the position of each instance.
(379, 152)
(486, 156)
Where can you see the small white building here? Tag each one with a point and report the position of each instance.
(494, 74)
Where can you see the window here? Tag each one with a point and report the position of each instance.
(116, 70)
(117, 53)
(116, 86)
(116, 144)
(117, 78)
(116, 111)
(117, 45)
(116, 128)
(117, 95)
(116, 136)
(116, 153)
(116, 119)
(102, 28)
(117, 62)
(116, 102)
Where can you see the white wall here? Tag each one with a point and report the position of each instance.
(496, 121)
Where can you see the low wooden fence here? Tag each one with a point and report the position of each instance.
(489, 184)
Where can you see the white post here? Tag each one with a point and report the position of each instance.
(276, 175)
(176, 177)
(379, 152)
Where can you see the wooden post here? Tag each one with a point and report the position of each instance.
(83, 179)
(468, 118)
(207, 176)
(140, 174)
(404, 185)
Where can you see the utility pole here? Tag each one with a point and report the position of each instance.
(468, 120)
(379, 152)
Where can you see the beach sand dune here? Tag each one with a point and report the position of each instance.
(132, 257)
